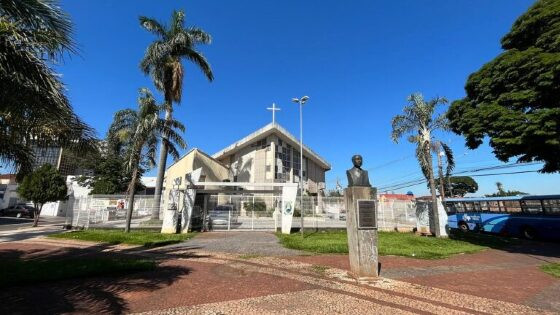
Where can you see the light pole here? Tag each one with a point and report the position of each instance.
(301, 101)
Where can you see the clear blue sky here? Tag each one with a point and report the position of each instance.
(357, 61)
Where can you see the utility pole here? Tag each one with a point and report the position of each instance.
(440, 171)
(301, 101)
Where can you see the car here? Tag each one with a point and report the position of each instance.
(221, 214)
(19, 211)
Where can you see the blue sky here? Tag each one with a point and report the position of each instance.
(357, 61)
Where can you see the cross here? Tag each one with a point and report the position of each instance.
(273, 109)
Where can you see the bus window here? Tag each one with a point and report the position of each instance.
(477, 206)
(494, 207)
(532, 206)
(469, 207)
(450, 207)
(459, 207)
(552, 206)
(484, 206)
(512, 206)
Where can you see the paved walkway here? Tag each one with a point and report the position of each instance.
(249, 243)
(199, 277)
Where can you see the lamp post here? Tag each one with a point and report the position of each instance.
(301, 101)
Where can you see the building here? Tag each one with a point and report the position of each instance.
(271, 154)
(268, 155)
(8, 190)
(66, 162)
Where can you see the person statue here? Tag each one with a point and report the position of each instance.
(357, 177)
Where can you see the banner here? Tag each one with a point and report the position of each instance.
(289, 194)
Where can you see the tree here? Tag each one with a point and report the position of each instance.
(138, 132)
(418, 121)
(441, 150)
(163, 62)
(34, 35)
(505, 193)
(457, 185)
(514, 100)
(110, 176)
(42, 186)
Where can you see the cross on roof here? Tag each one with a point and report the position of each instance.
(273, 109)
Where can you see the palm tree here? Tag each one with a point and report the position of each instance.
(34, 35)
(441, 149)
(418, 120)
(138, 132)
(163, 62)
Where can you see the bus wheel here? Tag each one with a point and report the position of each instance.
(463, 227)
(529, 233)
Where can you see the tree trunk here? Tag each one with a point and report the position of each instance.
(435, 212)
(440, 174)
(36, 214)
(131, 192)
(161, 166)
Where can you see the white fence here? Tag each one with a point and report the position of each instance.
(239, 212)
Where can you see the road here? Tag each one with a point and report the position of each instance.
(17, 229)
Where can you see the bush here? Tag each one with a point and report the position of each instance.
(254, 206)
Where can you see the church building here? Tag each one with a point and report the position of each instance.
(268, 155)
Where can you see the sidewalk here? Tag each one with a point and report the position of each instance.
(195, 280)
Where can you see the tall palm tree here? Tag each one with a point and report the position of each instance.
(441, 149)
(138, 132)
(163, 62)
(418, 120)
(34, 35)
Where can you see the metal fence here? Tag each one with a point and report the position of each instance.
(239, 212)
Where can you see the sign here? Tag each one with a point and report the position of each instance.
(367, 214)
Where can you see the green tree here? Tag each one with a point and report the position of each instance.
(42, 186)
(34, 110)
(442, 150)
(138, 132)
(514, 100)
(163, 62)
(111, 176)
(501, 192)
(418, 121)
(457, 185)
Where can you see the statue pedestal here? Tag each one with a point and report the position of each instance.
(362, 234)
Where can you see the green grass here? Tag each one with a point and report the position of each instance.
(552, 269)
(145, 238)
(392, 243)
(17, 272)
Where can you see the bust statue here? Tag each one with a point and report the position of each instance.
(356, 175)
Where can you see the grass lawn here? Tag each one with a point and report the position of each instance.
(16, 272)
(552, 269)
(393, 243)
(147, 238)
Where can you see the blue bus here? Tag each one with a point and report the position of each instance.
(531, 217)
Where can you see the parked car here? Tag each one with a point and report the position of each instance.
(221, 214)
(18, 211)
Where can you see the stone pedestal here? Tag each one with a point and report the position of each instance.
(362, 242)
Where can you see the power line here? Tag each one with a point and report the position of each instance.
(422, 179)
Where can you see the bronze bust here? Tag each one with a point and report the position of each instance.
(356, 175)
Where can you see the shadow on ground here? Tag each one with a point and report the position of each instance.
(509, 244)
(83, 295)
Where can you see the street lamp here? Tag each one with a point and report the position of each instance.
(301, 101)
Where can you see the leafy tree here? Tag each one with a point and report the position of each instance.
(42, 186)
(34, 34)
(138, 132)
(110, 176)
(457, 185)
(515, 98)
(505, 193)
(163, 62)
(418, 120)
(441, 150)
(334, 193)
